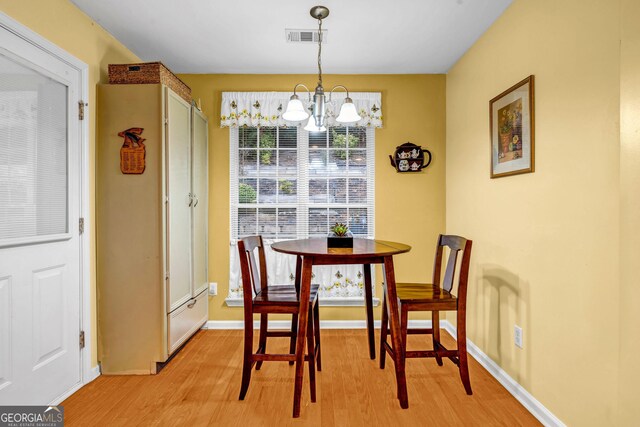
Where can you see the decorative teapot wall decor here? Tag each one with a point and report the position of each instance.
(409, 157)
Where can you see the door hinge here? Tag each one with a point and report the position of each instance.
(81, 105)
(81, 225)
(81, 339)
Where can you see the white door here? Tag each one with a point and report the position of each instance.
(180, 200)
(39, 213)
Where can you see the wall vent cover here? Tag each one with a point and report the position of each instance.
(304, 36)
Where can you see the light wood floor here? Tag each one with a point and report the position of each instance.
(200, 387)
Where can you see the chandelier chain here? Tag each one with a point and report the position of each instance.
(320, 52)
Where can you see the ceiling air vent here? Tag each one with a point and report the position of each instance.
(304, 36)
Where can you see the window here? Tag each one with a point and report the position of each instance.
(287, 183)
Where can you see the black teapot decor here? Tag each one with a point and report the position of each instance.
(410, 158)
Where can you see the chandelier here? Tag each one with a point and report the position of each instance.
(296, 111)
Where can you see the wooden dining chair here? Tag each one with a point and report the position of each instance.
(435, 298)
(260, 297)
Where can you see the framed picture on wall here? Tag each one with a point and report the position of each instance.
(511, 116)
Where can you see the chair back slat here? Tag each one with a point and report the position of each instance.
(455, 245)
(254, 273)
(450, 272)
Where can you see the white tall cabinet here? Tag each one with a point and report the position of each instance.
(151, 228)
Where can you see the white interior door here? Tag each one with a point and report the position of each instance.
(39, 214)
(180, 200)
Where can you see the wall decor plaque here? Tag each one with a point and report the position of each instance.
(132, 153)
(409, 157)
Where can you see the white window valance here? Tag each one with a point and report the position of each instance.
(265, 108)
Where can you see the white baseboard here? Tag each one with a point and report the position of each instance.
(93, 374)
(534, 406)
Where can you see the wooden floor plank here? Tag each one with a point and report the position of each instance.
(200, 387)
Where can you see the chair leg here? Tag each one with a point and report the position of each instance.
(462, 351)
(311, 352)
(262, 340)
(294, 334)
(404, 323)
(247, 359)
(435, 326)
(316, 327)
(384, 327)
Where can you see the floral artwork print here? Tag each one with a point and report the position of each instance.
(510, 131)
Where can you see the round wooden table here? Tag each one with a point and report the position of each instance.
(310, 252)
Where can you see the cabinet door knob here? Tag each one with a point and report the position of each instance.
(190, 199)
(197, 200)
(192, 304)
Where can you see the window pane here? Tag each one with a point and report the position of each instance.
(248, 137)
(247, 191)
(318, 191)
(268, 137)
(33, 153)
(318, 222)
(337, 162)
(288, 138)
(357, 190)
(317, 139)
(317, 162)
(287, 191)
(337, 215)
(338, 190)
(248, 162)
(267, 222)
(246, 221)
(267, 191)
(358, 221)
(288, 162)
(357, 162)
(287, 222)
(268, 159)
(358, 137)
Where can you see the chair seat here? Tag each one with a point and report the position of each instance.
(284, 295)
(416, 293)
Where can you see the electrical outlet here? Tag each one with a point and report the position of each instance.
(213, 288)
(517, 335)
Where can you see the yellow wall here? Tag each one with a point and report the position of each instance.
(409, 207)
(546, 244)
(60, 22)
(629, 213)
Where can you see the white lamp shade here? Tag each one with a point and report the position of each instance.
(348, 113)
(295, 111)
(311, 126)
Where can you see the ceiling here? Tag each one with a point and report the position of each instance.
(248, 36)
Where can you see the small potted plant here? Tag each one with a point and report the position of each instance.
(340, 236)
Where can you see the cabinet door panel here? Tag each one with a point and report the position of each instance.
(178, 191)
(200, 190)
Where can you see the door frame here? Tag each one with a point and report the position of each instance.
(87, 373)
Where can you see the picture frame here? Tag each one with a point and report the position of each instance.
(512, 130)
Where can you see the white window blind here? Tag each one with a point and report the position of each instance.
(33, 154)
(287, 183)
